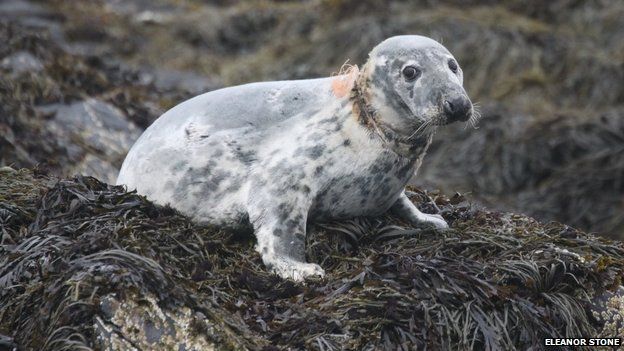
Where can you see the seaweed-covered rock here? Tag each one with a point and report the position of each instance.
(74, 113)
(565, 166)
(87, 265)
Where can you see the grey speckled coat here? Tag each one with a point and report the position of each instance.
(277, 154)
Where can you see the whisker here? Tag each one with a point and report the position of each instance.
(422, 127)
(474, 119)
(477, 115)
(431, 128)
(426, 128)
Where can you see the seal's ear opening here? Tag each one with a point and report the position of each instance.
(343, 82)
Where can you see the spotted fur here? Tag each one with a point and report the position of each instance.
(276, 155)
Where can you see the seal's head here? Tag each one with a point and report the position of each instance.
(414, 82)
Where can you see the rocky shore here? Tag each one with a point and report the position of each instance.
(85, 265)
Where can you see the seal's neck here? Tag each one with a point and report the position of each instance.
(368, 117)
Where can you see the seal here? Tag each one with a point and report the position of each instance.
(276, 155)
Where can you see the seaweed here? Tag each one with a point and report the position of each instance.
(493, 281)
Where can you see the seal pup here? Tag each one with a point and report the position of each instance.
(275, 155)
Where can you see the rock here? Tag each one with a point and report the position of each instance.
(22, 9)
(21, 62)
(68, 113)
(33, 15)
(138, 322)
(174, 80)
(609, 311)
(96, 126)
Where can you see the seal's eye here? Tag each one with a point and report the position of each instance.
(453, 65)
(411, 72)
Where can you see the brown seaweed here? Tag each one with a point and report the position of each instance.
(75, 247)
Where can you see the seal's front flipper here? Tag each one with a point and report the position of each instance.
(405, 209)
(281, 234)
(288, 268)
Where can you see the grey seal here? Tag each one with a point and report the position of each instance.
(276, 155)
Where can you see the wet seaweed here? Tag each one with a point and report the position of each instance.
(493, 281)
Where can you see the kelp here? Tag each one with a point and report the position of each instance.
(72, 248)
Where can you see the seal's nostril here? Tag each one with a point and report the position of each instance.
(457, 109)
(448, 107)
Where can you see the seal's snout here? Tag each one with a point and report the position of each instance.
(458, 108)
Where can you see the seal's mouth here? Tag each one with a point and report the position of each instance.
(438, 117)
(447, 112)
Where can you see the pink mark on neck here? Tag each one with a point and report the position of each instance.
(342, 83)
